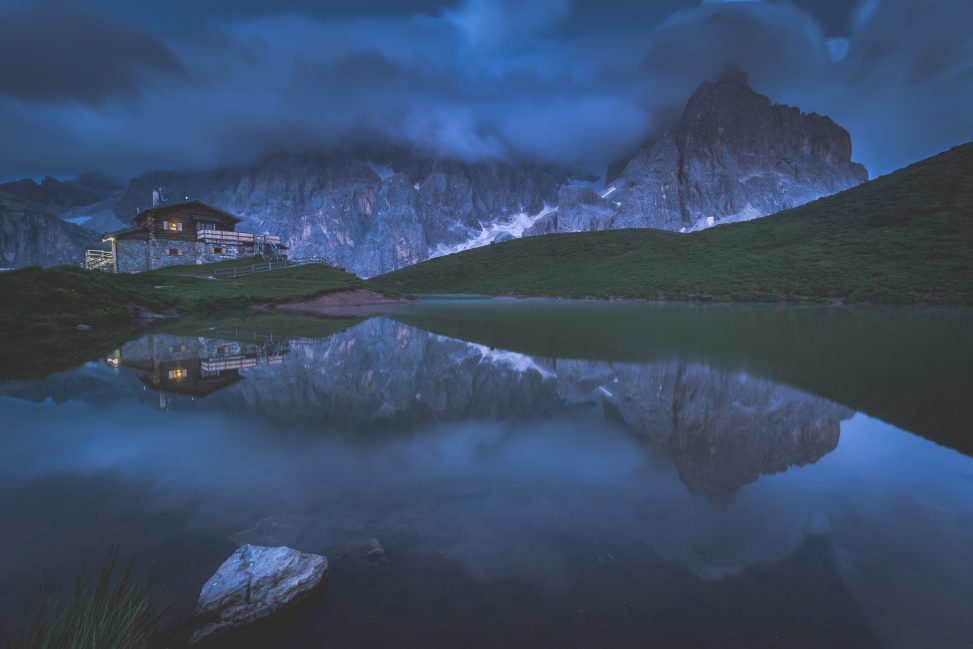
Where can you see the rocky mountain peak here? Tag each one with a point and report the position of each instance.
(733, 156)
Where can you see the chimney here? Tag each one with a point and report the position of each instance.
(158, 197)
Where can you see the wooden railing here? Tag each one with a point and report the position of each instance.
(243, 270)
(236, 237)
(223, 364)
(99, 260)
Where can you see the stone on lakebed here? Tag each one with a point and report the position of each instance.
(253, 583)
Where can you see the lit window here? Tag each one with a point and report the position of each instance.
(177, 374)
(172, 226)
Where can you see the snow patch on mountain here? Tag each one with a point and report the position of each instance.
(748, 213)
(512, 227)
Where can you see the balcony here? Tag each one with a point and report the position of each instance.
(231, 236)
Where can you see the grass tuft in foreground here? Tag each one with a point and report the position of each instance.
(123, 613)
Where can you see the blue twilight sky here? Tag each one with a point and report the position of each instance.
(124, 87)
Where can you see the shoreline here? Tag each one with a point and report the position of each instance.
(342, 304)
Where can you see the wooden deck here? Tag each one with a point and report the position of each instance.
(232, 236)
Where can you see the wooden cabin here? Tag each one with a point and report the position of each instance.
(190, 232)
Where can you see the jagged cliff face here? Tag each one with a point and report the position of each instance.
(30, 236)
(733, 156)
(367, 217)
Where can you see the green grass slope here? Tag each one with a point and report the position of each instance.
(906, 237)
(53, 299)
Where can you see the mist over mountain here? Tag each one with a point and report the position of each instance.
(732, 155)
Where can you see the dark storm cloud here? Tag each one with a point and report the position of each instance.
(905, 90)
(169, 15)
(550, 80)
(54, 51)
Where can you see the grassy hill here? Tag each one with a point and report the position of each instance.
(905, 237)
(54, 299)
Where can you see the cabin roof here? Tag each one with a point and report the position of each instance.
(117, 233)
(163, 209)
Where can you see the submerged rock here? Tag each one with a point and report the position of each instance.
(271, 530)
(362, 551)
(253, 583)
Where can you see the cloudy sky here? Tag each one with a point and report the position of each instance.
(124, 87)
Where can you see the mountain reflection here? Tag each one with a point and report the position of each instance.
(721, 429)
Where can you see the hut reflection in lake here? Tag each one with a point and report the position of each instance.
(194, 367)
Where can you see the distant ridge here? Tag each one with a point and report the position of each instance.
(32, 236)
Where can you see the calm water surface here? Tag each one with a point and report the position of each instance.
(524, 474)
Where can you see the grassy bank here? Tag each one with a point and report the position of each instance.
(903, 238)
(57, 299)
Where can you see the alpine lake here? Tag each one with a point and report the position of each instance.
(518, 473)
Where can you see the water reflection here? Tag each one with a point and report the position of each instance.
(721, 429)
(462, 489)
(197, 367)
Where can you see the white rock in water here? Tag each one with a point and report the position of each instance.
(253, 583)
